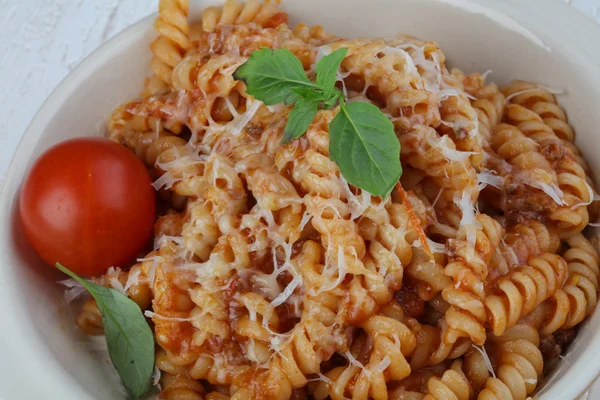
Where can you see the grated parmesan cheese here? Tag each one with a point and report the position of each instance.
(113, 279)
(241, 120)
(322, 51)
(437, 197)
(410, 63)
(342, 270)
(535, 89)
(155, 261)
(358, 203)
(432, 72)
(156, 376)
(355, 362)
(74, 289)
(468, 220)
(593, 197)
(446, 146)
(487, 177)
(287, 292)
(306, 217)
(551, 190)
(467, 207)
(132, 278)
(251, 351)
(510, 252)
(447, 93)
(486, 359)
(552, 89)
(162, 240)
(320, 378)
(166, 180)
(152, 314)
(381, 366)
(435, 247)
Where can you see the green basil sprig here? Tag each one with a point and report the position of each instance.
(362, 141)
(128, 337)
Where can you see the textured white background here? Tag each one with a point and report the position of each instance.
(42, 40)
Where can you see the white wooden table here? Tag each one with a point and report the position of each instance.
(42, 40)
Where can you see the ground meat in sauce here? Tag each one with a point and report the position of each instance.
(553, 151)
(412, 305)
(554, 345)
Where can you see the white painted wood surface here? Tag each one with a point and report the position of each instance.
(42, 40)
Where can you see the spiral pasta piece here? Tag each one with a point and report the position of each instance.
(524, 289)
(573, 217)
(233, 12)
(216, 396)
(392, 342)
(570, 216)
(89, 319)
(466, 314)
(135, 283)
(314, 35)
(425, 150)
(487, 101)
(529, 238)
(428, 274)
(294, 359)
(543, 103)
(529, 168)
(460, 379)
(157, 114)
(523, 240)
(168, 49)
(180, 387)
(582, 259)
(432, 348)
(452, 385)
(460, 120)
(579, 295)
(519, 364)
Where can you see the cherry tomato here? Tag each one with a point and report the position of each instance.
(89, 204)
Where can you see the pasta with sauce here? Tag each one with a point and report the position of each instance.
(273, 277)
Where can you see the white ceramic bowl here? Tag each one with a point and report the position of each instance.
(540, 40)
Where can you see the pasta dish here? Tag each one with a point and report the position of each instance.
(273, 277)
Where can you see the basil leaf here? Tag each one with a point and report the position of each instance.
(361, 139)
(128, 337)
(299, 120)
(271, 74)
(363, 144)
(310, 94)
(335, 97)
(327, 68)
(328, 100)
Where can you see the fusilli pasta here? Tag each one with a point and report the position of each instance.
(272, 277)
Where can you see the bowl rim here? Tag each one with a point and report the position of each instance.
(9, 197)
(582, 33)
